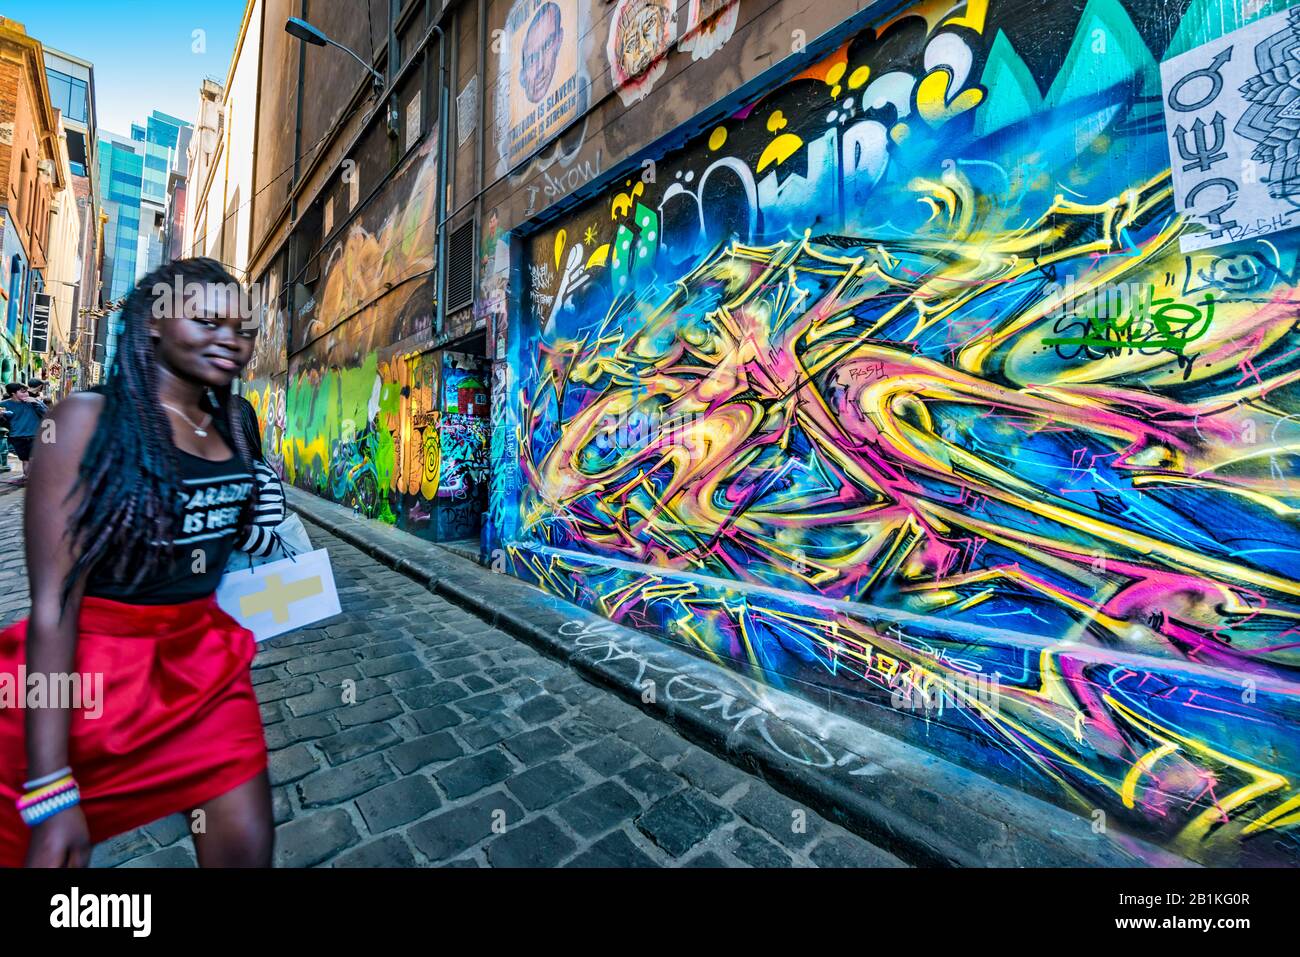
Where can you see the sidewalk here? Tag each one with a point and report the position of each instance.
(923, 809)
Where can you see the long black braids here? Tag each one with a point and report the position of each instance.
(128, 480)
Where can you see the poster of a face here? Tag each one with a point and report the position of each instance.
(640, 33)
(543, 77)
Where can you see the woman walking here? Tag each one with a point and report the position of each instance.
(131, 514)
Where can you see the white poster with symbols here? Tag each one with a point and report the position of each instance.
(1232, 118)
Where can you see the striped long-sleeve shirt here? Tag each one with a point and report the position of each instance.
(268, 512)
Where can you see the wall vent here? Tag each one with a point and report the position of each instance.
(460, 268)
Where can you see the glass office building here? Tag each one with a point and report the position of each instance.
(121, 177)
(134, 174)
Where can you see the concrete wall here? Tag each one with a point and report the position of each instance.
(810, 386)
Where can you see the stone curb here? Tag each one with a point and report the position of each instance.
(910, 802)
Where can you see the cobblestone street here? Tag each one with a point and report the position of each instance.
(466, 747)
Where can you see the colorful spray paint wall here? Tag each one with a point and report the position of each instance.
(359, 414)
(907, 386)
(463, 477)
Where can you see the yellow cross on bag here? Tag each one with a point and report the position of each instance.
(276, 597)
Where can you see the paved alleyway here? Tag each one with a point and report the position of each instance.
(467, 747)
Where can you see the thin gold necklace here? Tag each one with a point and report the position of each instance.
(199, 430)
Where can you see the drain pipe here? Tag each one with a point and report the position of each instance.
(444, 110)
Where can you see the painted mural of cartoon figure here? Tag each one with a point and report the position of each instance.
(541, 51)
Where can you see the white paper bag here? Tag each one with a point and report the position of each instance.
(280, 596)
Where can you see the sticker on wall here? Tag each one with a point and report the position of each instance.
(545, 75)
(640, 35)
(466, 111)
(709, 24)
(413, 116)
(1232, 117)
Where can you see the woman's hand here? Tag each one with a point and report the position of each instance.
(60, 841)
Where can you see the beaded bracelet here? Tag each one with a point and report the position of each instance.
(47, 779)
(45, 802)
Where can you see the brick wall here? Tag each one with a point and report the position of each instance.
(26, 194)
(10, 75)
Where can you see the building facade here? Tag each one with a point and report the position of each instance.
(222, 155)
(357, 390)
(54, 359)
(30, 176)
(72, 92)
(162, 142)
(882, 352)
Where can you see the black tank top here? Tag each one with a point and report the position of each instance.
(213, 497)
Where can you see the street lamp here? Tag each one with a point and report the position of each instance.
(304, 31)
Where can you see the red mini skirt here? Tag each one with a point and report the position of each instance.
(175, 722)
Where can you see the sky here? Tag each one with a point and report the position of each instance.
(146, 53)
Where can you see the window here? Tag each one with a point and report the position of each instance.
(460, 267)
(77, 152)
(60, 89)
(395, 8)
(23, 173)
(124, 188)
(304, 272)
(409, 31)
(68, 94)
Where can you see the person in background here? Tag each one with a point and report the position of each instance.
(36, 389)
(25, 414)
(5, 417)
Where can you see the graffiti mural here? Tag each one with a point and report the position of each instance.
(362, 415)
(897, 378)
(1236, 174)
(267, 399)
(462, 487)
